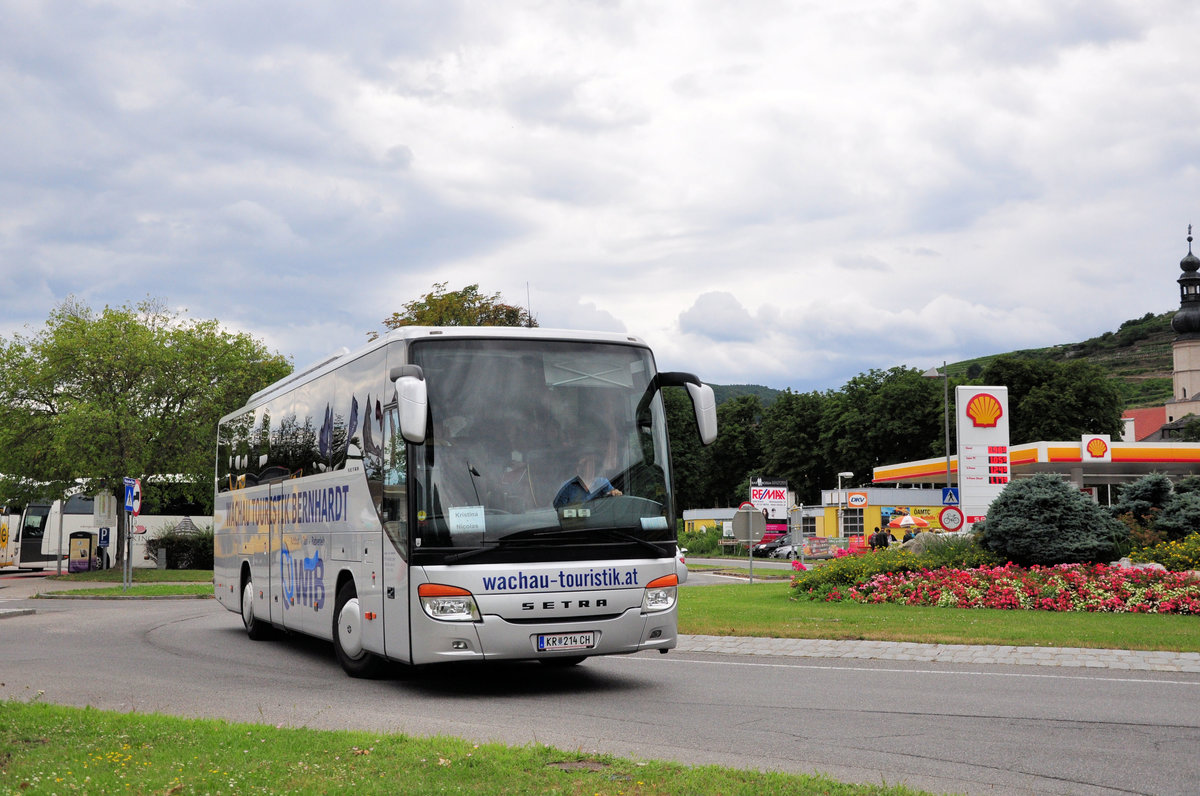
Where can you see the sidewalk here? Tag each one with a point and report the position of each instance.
(1139, 660)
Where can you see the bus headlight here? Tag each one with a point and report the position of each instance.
(660, 594)
(448, 603)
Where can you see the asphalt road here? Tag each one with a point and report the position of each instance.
(945, 728)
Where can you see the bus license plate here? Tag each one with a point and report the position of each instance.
(566, 641)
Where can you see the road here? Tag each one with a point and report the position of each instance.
(945, 728)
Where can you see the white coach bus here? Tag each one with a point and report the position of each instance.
(454, 494)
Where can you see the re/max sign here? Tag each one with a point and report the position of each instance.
(768, 494)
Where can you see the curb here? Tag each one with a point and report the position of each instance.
(1064, 657)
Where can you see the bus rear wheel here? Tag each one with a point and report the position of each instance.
(347, 636)
(256, 628)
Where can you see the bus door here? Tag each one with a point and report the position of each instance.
(393, 558)
(277, 558)
(33, 529)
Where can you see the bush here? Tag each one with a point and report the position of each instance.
(1177, 556)
(701, 543)
(1044, 520)
(1180, 517)
(185, 550)
(839, 574)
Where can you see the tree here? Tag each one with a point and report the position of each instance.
(737, 453)
(881, 417)
(131, 391)
(1044, 520)
(791, 442)
(1056, 400)
(466, 307)
(689, 457)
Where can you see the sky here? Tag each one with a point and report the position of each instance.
(776, 193)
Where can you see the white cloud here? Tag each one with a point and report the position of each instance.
(779, 194)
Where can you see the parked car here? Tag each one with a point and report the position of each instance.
(788, 551)
(766, 549)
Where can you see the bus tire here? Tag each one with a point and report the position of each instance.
(347, 635)
(256, 628)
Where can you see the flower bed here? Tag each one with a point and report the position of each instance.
(1066, 587)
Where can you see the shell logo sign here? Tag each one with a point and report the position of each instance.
(1097, 448)
(984, 410)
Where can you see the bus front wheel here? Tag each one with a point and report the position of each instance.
(347, 635)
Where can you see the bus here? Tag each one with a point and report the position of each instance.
(457, 494)
(33, 540)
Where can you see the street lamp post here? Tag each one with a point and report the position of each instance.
(932, 373)
(841, 500)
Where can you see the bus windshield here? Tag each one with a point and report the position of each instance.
(535, 449)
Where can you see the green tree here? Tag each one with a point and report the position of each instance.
(1044, 520)
(736, 453)
(690, 460)
(791, 443)
(882, 417)
(1056, 400)
(131, 391)
(466, 307)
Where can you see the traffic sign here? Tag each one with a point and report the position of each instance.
(129, 494)
(103, 541)
(137, 497)
(949, 496)
(951, 518)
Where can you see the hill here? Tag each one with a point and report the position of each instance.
(1138, 355)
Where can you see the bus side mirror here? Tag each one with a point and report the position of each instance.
(705, 404)
(412, 399)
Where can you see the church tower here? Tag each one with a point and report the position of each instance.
(1186, 347)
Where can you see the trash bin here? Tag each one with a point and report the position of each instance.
(82, 552)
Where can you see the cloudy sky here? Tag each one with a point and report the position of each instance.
(780, 193)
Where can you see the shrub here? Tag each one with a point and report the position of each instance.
(185, 550)
(1143, 498)
(1177, 556)
(1180, 517)
(1043, 520)
(701, 543)
(839, 574)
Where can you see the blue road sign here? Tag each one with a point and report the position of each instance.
(949, 496)
(103, 542)
(128, 495)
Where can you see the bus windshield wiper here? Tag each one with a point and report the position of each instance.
(612, 532)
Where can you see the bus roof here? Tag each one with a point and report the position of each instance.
(412, 333)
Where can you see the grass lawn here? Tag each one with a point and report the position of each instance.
(54, 749)
(767, 609)
(139, 576)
